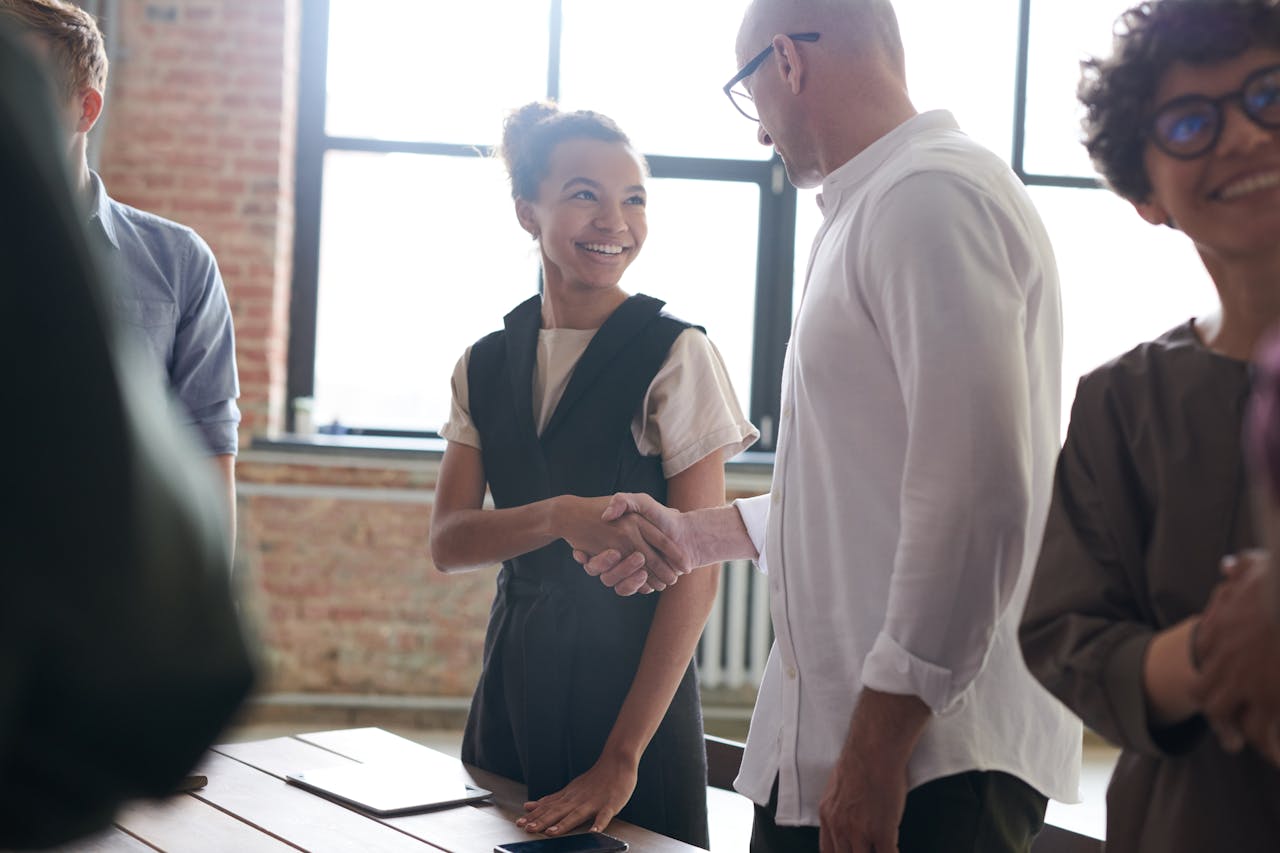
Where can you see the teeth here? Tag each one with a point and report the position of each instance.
(1253, 183)
(602, 248)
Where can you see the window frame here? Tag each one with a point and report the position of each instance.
(775, 258)
(1021, 77)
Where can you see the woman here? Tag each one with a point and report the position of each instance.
(588, 697)
(1150, 494)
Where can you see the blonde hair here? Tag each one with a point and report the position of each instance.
(74, 40)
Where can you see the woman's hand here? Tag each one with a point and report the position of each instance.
(596, 795)
(634, 539)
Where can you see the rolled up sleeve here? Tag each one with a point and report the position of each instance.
(202, 370)
(755, 517)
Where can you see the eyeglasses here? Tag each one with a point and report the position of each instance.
(1190, 126)
(739, 97)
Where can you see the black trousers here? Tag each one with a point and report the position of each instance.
(972, 812)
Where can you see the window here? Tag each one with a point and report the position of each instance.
(408, 249)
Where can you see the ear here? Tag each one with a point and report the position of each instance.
(790, 65)
(524, 215)
(90, 103)
(1152, 211)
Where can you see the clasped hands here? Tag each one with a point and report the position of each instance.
(1237, 648)
(631, 542)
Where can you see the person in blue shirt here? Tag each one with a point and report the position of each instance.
(121, 656)
(168, 292)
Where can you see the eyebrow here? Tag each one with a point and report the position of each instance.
(635, 188)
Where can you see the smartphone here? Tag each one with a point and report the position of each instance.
(588, 842)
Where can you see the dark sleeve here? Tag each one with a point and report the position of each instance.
(120, 654)
(1085, 629)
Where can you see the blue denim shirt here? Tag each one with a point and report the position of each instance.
(171, 297)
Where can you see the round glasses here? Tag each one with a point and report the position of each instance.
(1190, 126)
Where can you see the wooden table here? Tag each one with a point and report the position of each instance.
(248, 807)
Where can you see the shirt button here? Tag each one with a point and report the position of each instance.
(786, 410)
(791, 673)
(776, 497)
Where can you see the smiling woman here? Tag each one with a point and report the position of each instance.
(1150, 493)
(589, 698)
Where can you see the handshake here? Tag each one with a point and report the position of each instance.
(631, 542)
(1235, 648)
(635, 544)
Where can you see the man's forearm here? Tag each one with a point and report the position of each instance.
(886, 727)
(225, 468)
(719, 534)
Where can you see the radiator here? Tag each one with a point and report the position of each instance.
(735, 643)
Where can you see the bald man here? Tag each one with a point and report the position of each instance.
(920, 418)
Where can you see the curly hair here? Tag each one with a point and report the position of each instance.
(1118, 91)
(532, 132)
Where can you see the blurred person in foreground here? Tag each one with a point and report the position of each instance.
(1182, 120)
(920, 418)
(168, 294)
(1238, 640)
(120, 655)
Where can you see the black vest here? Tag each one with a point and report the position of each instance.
(561, 649)
(587, 448)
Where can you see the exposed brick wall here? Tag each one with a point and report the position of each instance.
(335, 560)
(200, 128)
(349, 602)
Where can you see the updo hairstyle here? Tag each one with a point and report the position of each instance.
(532, 132)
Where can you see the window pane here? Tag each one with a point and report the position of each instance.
(433, 71)
(808, 221)
(419, 257)
(701, 258)
(963, 57)
(657, 69)
(1062, 34)
(1123, 281)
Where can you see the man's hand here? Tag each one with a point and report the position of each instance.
(640, 515)
(1238, 647)
(590, 526)
(867, 792)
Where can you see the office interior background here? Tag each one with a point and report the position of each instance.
(332, 153)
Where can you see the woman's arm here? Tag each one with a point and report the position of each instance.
(1168, 675)
(466, 536)
(602, 791)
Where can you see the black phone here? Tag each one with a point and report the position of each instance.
(588, 842)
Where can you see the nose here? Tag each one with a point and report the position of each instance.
(763, 135)
(609, 219)
(1240, 133)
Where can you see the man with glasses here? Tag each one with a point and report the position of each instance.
(920, 418)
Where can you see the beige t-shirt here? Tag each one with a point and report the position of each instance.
(689, 411)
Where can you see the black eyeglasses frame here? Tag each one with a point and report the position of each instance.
(1218, 104)
(750, 68)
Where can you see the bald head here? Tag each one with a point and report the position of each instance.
(866, 29)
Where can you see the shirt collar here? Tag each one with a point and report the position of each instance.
(848, 176)
(100, 209)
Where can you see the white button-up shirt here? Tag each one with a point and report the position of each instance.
(920, 418)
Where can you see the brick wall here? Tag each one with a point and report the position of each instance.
(335, 559)
(200, 128)
(333, 553)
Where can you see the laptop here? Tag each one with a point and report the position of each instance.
(388, 789)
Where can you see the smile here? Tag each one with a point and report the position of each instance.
(602, 248)
(1250, 184)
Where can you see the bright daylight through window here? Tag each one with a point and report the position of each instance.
(410, 250)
